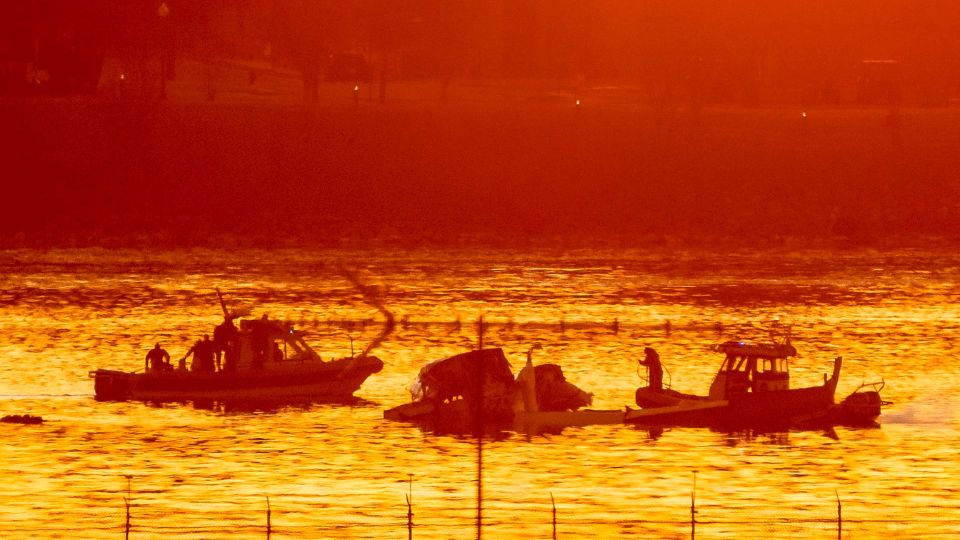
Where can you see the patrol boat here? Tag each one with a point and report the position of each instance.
(752, 389)
(264, 360)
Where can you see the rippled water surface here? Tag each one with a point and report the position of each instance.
(341, 471)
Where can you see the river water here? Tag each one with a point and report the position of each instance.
(341, 471)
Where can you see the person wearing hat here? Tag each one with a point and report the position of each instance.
(654, 368)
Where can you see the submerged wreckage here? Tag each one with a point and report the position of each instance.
(751, 389)
(452, 394)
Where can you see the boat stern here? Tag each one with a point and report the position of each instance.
(110, 384)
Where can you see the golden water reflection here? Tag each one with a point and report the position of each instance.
(341, 471)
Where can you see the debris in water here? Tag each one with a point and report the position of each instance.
(21, 419)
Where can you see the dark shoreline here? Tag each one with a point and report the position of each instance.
(88, 172)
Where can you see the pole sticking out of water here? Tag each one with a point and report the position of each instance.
(554, 505)
(480, 329)
(410, 510)
(839, 516)
(693, 508)
(269, 527)
(479, 412)
(126, 504)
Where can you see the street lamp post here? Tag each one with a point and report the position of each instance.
(163, 12)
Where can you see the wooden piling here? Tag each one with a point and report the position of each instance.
(693, 508)
(480, 329)
(126, 504)
(479, 420)
(269, 526)
(410, 510)
(409, 518)
(839, 516)
(554, 505)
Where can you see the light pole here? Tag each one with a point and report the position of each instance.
(163, 12)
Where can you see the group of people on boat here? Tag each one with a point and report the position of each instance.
(205, 358)
(208, 355)
(221, 353)
(262, 343)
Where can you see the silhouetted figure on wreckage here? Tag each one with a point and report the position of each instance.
(654, 368)
(157, 359)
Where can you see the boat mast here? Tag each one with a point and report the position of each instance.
(223, 305)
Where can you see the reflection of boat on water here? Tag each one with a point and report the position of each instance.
(267, 405)
(453, 394)
(752, 388)
(264, 360)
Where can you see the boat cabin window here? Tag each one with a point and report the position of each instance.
(775, 365)
(759, 364)
(734, 363)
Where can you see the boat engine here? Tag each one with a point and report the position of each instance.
(863, 405)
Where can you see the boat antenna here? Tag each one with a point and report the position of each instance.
(223, 305)
(372, 296)
(534, 347)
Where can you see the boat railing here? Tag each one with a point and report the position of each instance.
(644, 376)
(873, 387)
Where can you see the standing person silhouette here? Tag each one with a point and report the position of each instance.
(654, 368)
(203, 355)
(157, 359)
(224, 341)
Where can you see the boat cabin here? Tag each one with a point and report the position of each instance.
(264, 344)
(751, 367)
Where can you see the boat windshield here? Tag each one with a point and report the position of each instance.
(772, 365)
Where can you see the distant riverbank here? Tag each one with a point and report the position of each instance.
(79, 170)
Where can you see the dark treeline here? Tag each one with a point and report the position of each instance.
(84, 172)
(738, 45)
(78, 171)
